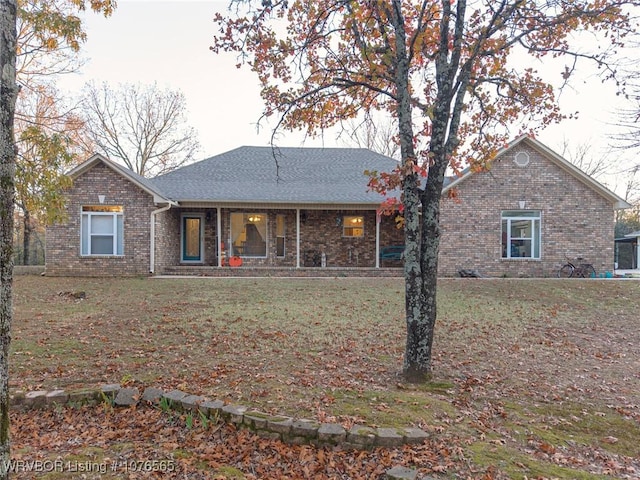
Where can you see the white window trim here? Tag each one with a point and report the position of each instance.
(116, 233)
(521, 159)
(534, 239)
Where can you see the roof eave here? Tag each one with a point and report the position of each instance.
(618, 202)
(283, 203)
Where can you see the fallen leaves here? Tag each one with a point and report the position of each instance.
(514, 361)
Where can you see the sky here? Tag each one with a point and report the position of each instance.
(167, 42)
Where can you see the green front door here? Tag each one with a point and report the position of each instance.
(191, 239)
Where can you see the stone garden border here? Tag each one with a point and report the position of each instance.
(288, 429)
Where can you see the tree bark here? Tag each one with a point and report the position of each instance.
(8, 95)
(417, 359)
(27, 228)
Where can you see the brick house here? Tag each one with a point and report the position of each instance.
(297, 210)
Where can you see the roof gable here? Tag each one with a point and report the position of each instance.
(143, 183)
(560, 162)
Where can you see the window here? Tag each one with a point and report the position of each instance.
(248, 234)
(280, 235)
(521, 159)
(353, 226)
(521, 234)
(101, 230)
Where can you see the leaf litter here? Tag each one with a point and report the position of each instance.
(533, 379)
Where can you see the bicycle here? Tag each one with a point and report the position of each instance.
(581, 270)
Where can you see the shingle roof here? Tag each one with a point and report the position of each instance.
(301, 175)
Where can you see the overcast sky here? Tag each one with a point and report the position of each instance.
(167, 42)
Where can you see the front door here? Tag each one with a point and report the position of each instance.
(191, 238)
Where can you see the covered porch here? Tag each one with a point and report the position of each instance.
(309, 240)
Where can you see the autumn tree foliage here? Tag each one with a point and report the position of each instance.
(49, 133)
(50, 138)
(447, 70)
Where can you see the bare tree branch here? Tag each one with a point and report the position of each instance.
(144, 127)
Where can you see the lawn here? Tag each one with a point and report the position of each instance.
(532, 378)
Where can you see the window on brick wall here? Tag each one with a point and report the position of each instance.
(248, 234)
(101, 230)
(353, 226)
(521, 236)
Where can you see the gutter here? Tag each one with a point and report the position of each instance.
(152, 234)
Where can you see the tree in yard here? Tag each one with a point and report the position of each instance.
(46, 18)
(8, 95)
(628, 221)
(583, 157)
(49, 142)
(447, 70)
(48, 132)
(142, 126)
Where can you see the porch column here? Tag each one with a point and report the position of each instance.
(377, 239)
(297, 238)
(219, 234)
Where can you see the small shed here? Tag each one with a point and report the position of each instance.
(628, 251)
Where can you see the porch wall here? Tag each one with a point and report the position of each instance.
(320, 230)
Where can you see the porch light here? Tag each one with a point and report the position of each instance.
(254, 218)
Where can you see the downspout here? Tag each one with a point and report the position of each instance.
(378, 218)
(297, 238)
(152, 253)
(219, 230)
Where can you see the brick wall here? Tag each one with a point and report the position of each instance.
(575, 220)
(167, 244)
(62, 253)
(322, 231)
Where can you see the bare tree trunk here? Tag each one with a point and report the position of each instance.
(8, 94)
(26, 237)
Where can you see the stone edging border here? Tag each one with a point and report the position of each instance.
(277, 427)
(280, 427)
